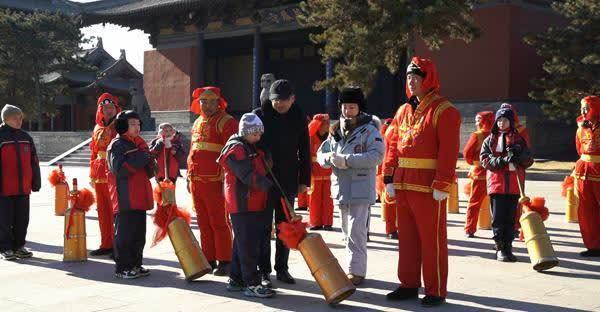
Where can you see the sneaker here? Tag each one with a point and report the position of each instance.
(470, 235)
(259, 291)
(393, 235)
(101, 252)
(233, 285)
(432, 301)
(403, 294)
(142, 271)
(355, 279)
(131, 274)
(8, 255)
(316, 228)
(265, 280)
(328, 228)
(23, 253)
(302, 209)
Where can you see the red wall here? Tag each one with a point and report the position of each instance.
(168, 78)
(498, 65)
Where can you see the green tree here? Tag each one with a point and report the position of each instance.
(571, 59)
(364, 36)
(33, 45)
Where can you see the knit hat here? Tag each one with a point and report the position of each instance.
(9, 110)
(249, 124)
(281, 90)
(352, 95)
(506, 113)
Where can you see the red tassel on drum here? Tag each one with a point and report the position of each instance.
(84, 199)
(56, 177)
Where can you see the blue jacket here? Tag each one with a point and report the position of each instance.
(363, 150)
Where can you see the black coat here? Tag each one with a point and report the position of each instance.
(286, 139)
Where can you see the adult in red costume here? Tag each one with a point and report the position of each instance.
(388, 204)
(587, 175)
(104, 132)
(419, 169)
(483, 122)
(210, 132)
(320, 201)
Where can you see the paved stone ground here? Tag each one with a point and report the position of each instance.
(476, 282)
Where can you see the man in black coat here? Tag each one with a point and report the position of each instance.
(286, 138)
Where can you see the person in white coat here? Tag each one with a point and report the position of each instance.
(354, 148)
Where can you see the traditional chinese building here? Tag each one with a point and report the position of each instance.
(230, 43)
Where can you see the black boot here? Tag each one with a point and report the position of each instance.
(403, 293)
(590, 253)
(284, 276)
(432, 301)
(508, 251)
(222, 269)
(213, 264)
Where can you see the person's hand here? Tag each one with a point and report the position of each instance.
(389, 190)
(188, 186)
(339, 161)
(296, 218)
(514, 149)
(167, 142)
(439, 195)
(508, 159)
(302, 188)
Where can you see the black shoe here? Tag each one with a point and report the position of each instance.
(233, 285)
(590, 253)
(508, 252)
(112, 256)
(213, 264)
(222, 269)
(432, 301)
(142, 271)
(285, 277)
(131, 274)
(502, 256)
(470, 235)
(393, 235)
(101, 252)
(316, 228)
(403, 294)
(302, 209)
(265, 280)
(327, 228)
(8, 255)
(23, 253)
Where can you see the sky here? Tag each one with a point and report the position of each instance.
(115, 38)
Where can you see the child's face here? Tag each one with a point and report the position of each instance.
(14, 121)
(503, 123)
(350, 110)
(253, 137)
(134, 128)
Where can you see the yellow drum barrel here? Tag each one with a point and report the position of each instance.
(538, 243)
(325, 268)
(572, 203)
(452, 201)
(75, 243)
(61, 199)
(191, 258)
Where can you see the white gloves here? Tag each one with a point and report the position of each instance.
(439, 195)
(389, 190)
(339, 161)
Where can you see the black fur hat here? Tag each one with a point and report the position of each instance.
(121, 124)
(352, 95)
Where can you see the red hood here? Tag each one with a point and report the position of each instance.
(100, 110)
(316, 123)
(431, 82)
(594, 103)
(195, 106)
(487, 120)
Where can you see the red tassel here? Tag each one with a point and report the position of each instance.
(292, 233)
(57, 176)
(538, 204)
(84, 199)
(569, 182)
